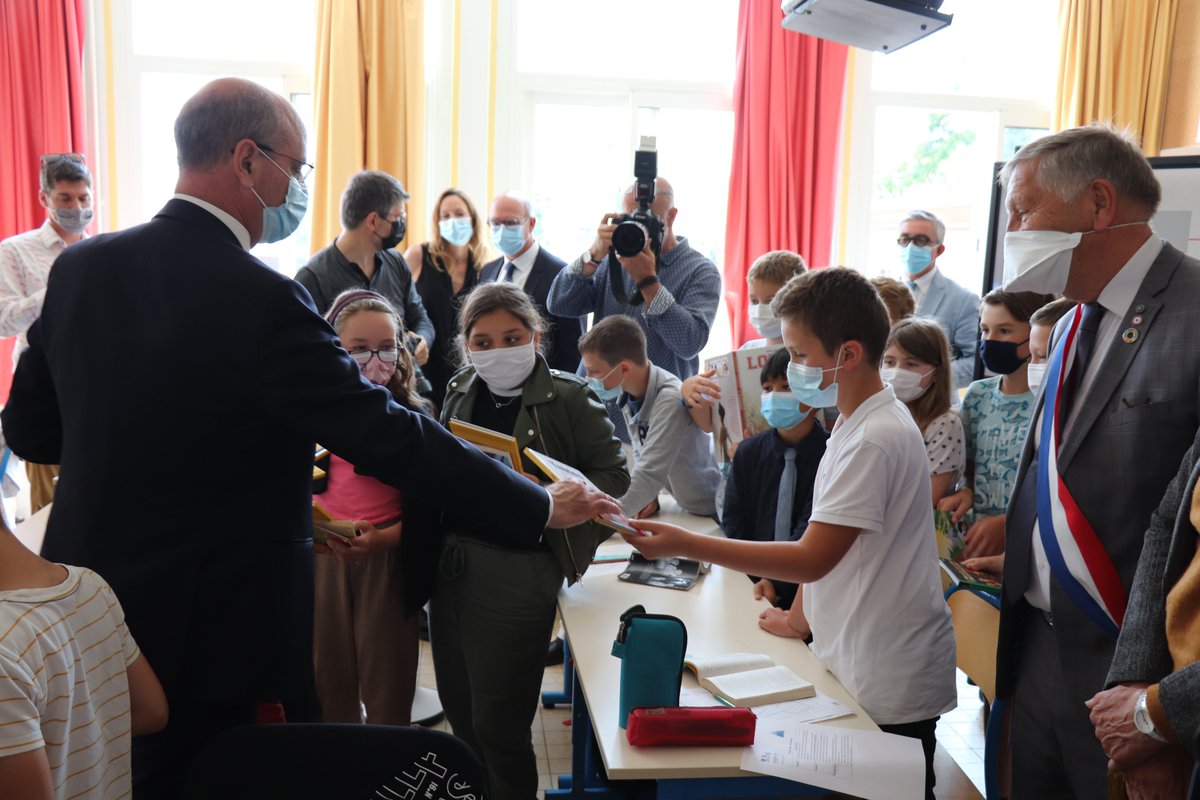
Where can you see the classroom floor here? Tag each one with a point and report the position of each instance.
(960, 737)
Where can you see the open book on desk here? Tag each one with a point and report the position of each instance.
(555, 470)
(748, 679)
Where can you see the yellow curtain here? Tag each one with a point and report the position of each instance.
(1113, 65)
(369, 105)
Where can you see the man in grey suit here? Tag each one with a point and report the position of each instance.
(1079, 202)
(1148, 720)
(922, 240)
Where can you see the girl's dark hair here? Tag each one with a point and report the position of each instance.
(776, 366)
(403, 383)
(488, 297)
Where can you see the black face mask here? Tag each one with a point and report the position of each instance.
(1001, 357)
(399, 228)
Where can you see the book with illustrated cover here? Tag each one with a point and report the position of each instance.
(748, 679)
(667, 573)
(970, 578)
(738, 415)
(324, 525)
(499, 446)
(555, 470)
(951, 539)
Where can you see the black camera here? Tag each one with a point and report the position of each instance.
(634, 230)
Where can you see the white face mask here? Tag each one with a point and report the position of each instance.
(763, 318)
(904, 382)
(505, 369)
(1034, 373)
(1040, 261)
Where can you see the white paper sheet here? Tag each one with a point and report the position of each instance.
(868, 764)
(809, 709)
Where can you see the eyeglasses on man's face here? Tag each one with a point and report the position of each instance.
(301, 169)
(920, 240)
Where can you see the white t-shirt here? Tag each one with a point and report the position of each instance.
(878, 619)
(63, 654)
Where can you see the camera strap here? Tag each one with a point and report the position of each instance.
(616, 279)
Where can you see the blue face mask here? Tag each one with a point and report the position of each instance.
(597, 386)
(915, 259)
(781, 410)
(280, 222)
(508, 239)
(456, 230)
(805, 383)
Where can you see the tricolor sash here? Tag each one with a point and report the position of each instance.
(1078, 560)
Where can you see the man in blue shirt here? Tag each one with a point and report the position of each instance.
(679, 293)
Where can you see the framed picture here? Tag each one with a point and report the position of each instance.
(499, 446)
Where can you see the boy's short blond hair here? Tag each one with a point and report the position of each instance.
(777, 266)
(896, 296)
(1049, 314)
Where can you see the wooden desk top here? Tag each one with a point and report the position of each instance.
(721, 616)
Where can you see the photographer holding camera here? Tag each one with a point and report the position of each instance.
(672, 294)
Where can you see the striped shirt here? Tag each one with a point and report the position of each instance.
(63, 654)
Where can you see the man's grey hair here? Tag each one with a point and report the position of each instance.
(1070, 160)
(367, 191)
(64, 169)
(939, 227)
(212, 122)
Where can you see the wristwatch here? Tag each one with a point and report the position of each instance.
(587, 257)
(649, 280)
(1141, 718)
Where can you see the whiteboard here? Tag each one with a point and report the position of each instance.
(1177, 220)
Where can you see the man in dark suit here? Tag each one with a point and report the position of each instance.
(181, 383)
(1127, 407)
(529, 266)
(1149, 718)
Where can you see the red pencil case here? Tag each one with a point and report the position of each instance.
(696, 727)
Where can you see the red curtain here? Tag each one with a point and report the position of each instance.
(41, 94)
(787, 105)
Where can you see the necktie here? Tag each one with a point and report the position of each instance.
(1085, 344)
(508, 271)
(916, 291)
(787, 497)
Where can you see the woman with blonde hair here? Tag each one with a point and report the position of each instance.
(445, 269)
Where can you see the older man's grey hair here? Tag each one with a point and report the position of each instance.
(1070, 160)
(217, 117)
(939, 227)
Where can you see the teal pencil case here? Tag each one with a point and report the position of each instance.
(651, 648)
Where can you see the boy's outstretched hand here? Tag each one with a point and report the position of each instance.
(663, 539)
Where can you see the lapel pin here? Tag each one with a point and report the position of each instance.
(1137, 320)
(1139, 308)
(1129, 336)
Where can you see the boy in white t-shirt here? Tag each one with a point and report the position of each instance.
(73, 685)
(868, 562)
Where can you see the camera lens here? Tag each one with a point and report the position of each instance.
(629, 238)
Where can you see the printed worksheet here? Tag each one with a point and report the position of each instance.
(868, 764)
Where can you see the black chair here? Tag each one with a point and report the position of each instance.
(335, 762)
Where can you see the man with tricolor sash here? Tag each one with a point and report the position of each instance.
(1120, 405)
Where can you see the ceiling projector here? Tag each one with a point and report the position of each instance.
(882, 25)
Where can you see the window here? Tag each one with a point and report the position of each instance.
(931, 120)
(272, 43)
(627, 69)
